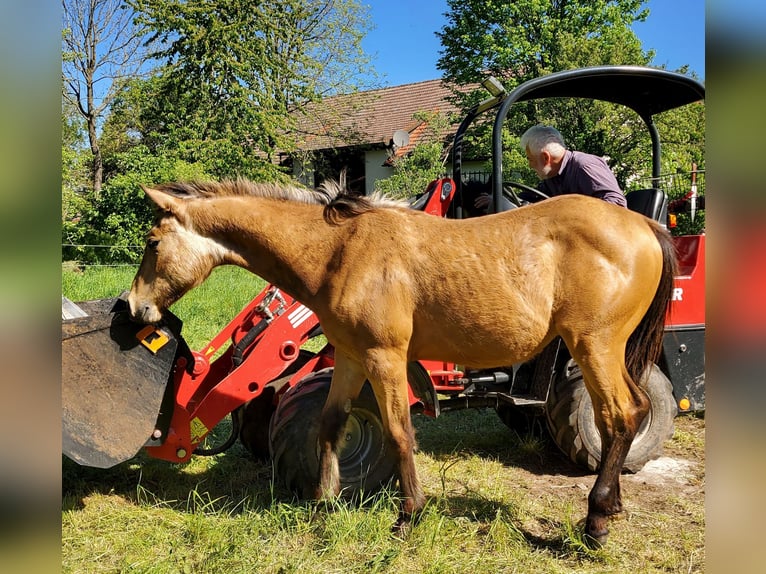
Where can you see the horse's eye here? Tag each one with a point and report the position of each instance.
(153, 243)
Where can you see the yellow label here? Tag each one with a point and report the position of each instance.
(152, 338)
(210, 350)
(198, 430)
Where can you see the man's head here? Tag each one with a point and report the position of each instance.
(545, 149)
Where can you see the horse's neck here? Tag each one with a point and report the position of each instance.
(286, 243)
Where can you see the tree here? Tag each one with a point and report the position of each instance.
(520, 40)
(414, 170)
(74, 173)
(72, 144)
(236, 74)
(113, 228)
(523, 39)
(101, 47)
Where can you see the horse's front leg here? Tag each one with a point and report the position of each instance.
(388, 375)
(618, 416)
(347, 380)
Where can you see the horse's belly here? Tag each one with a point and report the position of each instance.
(472, 343)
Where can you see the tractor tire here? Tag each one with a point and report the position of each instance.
(255, 415)
(365, 459)
(571, 423)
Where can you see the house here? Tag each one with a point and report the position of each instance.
(362, 132)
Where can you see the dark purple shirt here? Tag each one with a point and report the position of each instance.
(586, 174)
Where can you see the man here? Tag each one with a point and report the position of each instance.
(563, 171)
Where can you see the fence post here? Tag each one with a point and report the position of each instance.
(693, 197)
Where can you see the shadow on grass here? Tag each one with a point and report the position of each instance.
(235, 476)
(226, 481)
(566, 540)
(481, 433)
(234, 483)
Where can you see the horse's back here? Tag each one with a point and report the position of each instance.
(502, 284)
(609, 271)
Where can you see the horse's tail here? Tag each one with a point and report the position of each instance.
(645, 343)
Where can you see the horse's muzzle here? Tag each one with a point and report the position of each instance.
(143, 311)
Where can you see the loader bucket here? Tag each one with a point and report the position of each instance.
(114, 377)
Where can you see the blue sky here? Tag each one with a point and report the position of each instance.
(405, 47)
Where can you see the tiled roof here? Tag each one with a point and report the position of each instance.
(372, 117)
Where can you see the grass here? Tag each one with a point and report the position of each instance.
(205, 310)
(497, 501)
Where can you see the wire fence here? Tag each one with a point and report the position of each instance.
(85, 255)
(677, 186)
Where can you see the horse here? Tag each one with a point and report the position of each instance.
(391, 285)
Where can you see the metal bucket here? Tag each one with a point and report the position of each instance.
(115, 374)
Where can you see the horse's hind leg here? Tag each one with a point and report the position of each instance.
(388, 375)
(619, 407)
(347, 380)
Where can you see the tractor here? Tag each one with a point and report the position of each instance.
(128, 387)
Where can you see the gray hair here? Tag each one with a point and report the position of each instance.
(540, 137)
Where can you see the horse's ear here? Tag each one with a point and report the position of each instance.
(163, 201)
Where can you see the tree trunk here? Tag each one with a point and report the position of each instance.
(98, 166)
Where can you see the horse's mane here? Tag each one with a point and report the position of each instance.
(244, 187)
(345, 205)
(339, 203)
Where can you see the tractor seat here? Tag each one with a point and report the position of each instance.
(651, 202)
(418, 203)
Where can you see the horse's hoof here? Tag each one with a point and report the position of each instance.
(595, 540)
(402, 527)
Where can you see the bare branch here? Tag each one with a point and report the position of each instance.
(102, 46)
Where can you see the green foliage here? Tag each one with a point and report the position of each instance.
(75, 197)
(685, 225)
(74, 168)
(121, 215)
(683, 138)
(424, 163)
(237, 73)
(517, 41)
(102, 45)
(233, 78)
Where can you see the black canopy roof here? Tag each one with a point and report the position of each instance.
(648, 91)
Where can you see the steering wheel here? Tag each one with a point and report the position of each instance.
(524, 187)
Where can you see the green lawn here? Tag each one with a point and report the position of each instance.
(497, 501)
(204, 310)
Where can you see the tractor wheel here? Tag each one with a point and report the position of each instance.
(365, 459)
(255, 415)
(571, 422)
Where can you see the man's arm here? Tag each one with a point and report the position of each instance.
(596, 178)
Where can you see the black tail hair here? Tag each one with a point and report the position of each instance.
(645, 343)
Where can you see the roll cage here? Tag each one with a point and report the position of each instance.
(647, 91)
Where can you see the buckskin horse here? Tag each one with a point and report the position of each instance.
(390, 285)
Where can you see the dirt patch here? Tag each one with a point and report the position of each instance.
(678, 474)
(666, 471)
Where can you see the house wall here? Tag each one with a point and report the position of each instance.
(374, 169)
